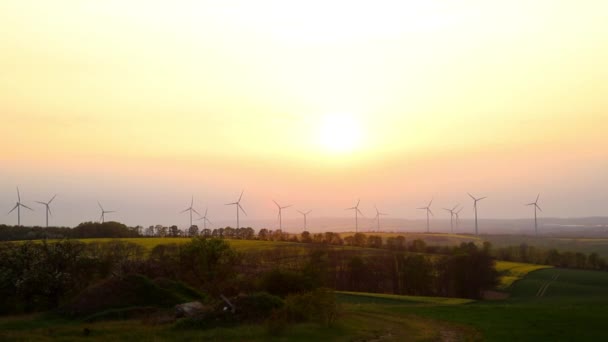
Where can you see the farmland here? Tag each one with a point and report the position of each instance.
(572, 308)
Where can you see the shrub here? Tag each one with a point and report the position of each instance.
(257, 306)
(282, 282)
(319, 305)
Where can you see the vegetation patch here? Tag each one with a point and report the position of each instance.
(511, 272)
(126, 292)
(361, 297)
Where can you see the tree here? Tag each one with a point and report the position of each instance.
(263, 234)
(305, 237)
(193, 230)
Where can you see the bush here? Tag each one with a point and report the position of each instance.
(282, 283)
(319, 305)
(256, 307)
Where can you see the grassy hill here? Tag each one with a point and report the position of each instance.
(546, 305)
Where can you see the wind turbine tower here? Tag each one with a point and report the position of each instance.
(457, 214)
(357, 212)
(475, 200)
(205, 219)
(304, 214)
(48, 209)
(18, 206)
(104, 212)
(190, 209)
(428, 211)
(452, 213)
(378, 214)
(238, 206)
(535, 204)
(281, 213)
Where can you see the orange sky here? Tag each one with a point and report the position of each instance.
(140, 104)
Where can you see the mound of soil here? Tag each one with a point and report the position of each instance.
(129, 291)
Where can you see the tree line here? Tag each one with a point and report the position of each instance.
(521, 253)
(46, 275)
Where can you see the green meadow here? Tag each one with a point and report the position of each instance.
(572, 308)
(543, 304)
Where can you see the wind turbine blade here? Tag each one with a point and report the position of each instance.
(537, 198)
(479, 199)
(18, 195)
(287, 206)
(456, 206)
(474, 199)
(206, 219)
(99, 204)
(196, 212)
(530, 204)
(241, 195)
(49, 202)
(243, 210)
(206, 209)
(277, 204)
(40, 202)
(459, 210)
(309, 212)
(353, 208)
(430, 211)
(358, 201)
(231, 203)
(111, 211)
(431, 202)
(25, 206)
(15, 207)
(301, 212)
(183, 211)
(360, 212)
(423, 208)
(450, 210)
(192, 201)
(49, 209)
(538, 207)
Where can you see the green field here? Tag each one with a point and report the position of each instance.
(546, 305)
(583, 245)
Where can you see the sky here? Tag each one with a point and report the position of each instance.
(142, 104)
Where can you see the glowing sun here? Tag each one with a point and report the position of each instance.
(340, 133)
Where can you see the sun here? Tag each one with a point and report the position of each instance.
(340, 133)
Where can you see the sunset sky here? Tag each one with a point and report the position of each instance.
(141, 104)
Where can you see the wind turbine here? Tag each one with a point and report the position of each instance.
(535, 204)
(190, 209)
(18, 206)
(304, 214)
(428, 211)
(205, 219)
(48, 209)
(357, 212)
(475, 200)
(457, 214)
(452, 213)
(104, 212)
(238, 206)
(280, 213)
(378, 214)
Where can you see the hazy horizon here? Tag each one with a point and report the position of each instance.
(140, 105)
